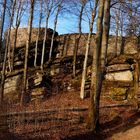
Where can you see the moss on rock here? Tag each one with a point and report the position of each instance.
(118, 93)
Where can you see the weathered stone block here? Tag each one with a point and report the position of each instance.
(38, 91)
(12, 88)
(118, 93)
(125, 76)
(12, 84)
(118, 67)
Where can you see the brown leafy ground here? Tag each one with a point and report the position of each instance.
(119, 120)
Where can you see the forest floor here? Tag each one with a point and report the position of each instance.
(119, 120)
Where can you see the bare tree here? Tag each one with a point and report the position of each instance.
(49, 7)
(5, 55)
(83, 4)
(99, 61)
(82, 92)
(2, 24)
(122, 32)
(93, 121)
(117, 33)
(105, 35)
(13, 3)
(39, 26)
(32, 2)
(20, 9)
(54, 30)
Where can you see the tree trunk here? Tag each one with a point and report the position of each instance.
(5, 55)
(40, 19)
(9, 34)
(95, 90)
(116, 37)
(78, 39)
(2, 25)
(82, 93)
(27, 52)
(18, 18)
(105, 35)
(122, 38)
(45, 36)
(55, 24)
(44, 44)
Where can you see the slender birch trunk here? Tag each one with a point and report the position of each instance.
(54, 30)
(18, 19)
(5, 56)
(116, 37)
(82, 92)
(27, 53)
(2, 25)
(79, 36)
(49, 9)
(9, 34)
(36, 47)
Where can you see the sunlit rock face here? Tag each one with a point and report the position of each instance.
(119, 72)
(67, 43)
(118, 67)
(130, 48)
(22, 35)
(118, 93)
(38, 86)
(121, 69)
(125, 76)
(13, 88)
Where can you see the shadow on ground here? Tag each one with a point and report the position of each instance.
(108, 129)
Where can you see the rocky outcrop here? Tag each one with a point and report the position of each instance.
(39, 84)
(42, 83)
(67, 42)
(21, 43)
(118, 67)
(22, 35)
(124, 76)
(12, 88)
(131, 45)
(118, 93)
(121, 74)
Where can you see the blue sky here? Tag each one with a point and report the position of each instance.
(67, 23)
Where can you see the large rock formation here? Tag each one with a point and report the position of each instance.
(40, 83)
(13, 83)
(119, 72)
(12, 87)
(21, 43)
(125, 76)
(121, 76)
(22, 36)
(67, 42)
